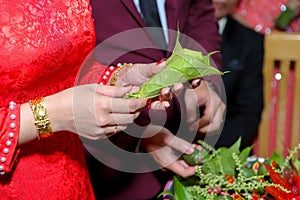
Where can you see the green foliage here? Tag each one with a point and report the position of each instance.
(180, 191)
(196, 158)
(223, 162)
(228, 172)
(182, 66)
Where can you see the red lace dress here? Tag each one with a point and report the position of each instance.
(43, 44)
(261, 14)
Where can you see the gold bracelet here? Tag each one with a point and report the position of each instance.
(115, 76)
(41, 119)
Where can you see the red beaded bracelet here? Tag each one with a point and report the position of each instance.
(110, 74)
(105, 77)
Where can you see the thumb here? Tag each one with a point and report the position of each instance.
(177, 143)
(113, 91)
(151, 69)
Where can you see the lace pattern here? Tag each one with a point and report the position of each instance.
(44, 42)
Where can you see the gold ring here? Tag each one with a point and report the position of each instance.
(115, 129)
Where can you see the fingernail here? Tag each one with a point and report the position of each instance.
(189, 150)
(166, 91)
(198, 82)
(161, 61)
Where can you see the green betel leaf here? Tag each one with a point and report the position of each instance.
(212, 166)
(245, 154)
(182, 66)
(277, 158)
(227, 160)
(297, 164)
(181, 193)
(223, 162)
(166, 192)
(227, 163)
(235, 148)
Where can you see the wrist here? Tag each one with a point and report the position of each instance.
(59, 108)
(41, 118)
(118, 73)
(111, 74)
(106, 75)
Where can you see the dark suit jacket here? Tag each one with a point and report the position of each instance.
(242, 55)
(121, 39)
(194, 18)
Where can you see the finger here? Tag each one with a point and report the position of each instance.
(215, 123)
(191, 107)
(109, 130)
(207, 115)
(177, 143)
(177, 89)
(218, 119)
(126, 105)
(165, 94)
(119, 118)
(204, 121)
(134, 89)
(151, 69)
(112, 91)
(157, 105)
(105, 132)
(181, 145)
(182, 170)
(196, 82)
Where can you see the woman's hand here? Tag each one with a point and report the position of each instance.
(93, 111)
(137, 74)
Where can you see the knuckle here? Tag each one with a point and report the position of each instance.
(165, 140)
(105, 106)
(132, 106)
(102, 121)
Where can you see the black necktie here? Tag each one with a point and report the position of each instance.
(151, 19)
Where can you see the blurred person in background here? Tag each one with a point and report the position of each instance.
(242, 55)
(266, 16)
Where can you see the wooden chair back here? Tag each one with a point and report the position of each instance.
(280, 124)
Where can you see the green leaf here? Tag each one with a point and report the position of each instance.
(235, 148)
(223, 163)
(212, 166)
(182, 66)
(195, 158)
(279, 159)
(248, 172)
(227, 162)
(297, 164)
(167, 192)
(245, 154)
(181, 193)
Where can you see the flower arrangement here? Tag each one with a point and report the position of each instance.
(228, 173)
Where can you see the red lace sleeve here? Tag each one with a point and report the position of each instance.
(10, 128)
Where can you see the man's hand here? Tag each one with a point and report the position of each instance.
(212, 117)
(164, 147)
